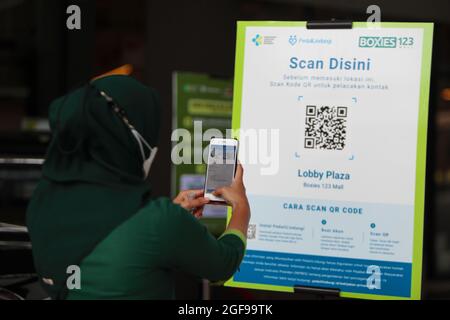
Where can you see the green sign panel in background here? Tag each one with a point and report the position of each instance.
(202, 105)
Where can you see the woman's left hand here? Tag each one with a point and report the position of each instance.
(192, 200)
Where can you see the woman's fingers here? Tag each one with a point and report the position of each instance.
(219, 192)
(196, 193)
(192, 200)
(239, 173)
(191, 194)
(195, 203)
(225, 193)
(188, 195)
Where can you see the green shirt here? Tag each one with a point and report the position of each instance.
(138, 259)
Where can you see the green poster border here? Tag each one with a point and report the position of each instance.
(419, 205)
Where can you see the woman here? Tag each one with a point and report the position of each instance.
(92, 207)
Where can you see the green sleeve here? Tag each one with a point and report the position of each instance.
(192, 249)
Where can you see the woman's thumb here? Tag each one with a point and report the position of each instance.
(218, 192)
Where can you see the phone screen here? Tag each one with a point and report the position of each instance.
(221, 168)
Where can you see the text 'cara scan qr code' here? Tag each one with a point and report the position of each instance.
(325, 127)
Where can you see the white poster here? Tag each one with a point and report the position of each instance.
(340, 205)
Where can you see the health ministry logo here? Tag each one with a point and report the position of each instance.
(260, 40)
(257, 40)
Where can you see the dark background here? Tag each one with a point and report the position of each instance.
(40, 59)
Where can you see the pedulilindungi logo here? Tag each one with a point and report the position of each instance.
(293, 40)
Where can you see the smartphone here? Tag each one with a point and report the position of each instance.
(222, 161)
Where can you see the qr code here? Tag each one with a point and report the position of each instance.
(326, 127)
(251, 232)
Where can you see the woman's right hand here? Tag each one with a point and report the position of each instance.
(235, 194)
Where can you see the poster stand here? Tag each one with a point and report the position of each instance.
(319, 292)
(330, 24)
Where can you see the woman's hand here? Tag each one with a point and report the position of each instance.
(192, 200)
(235, 194)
